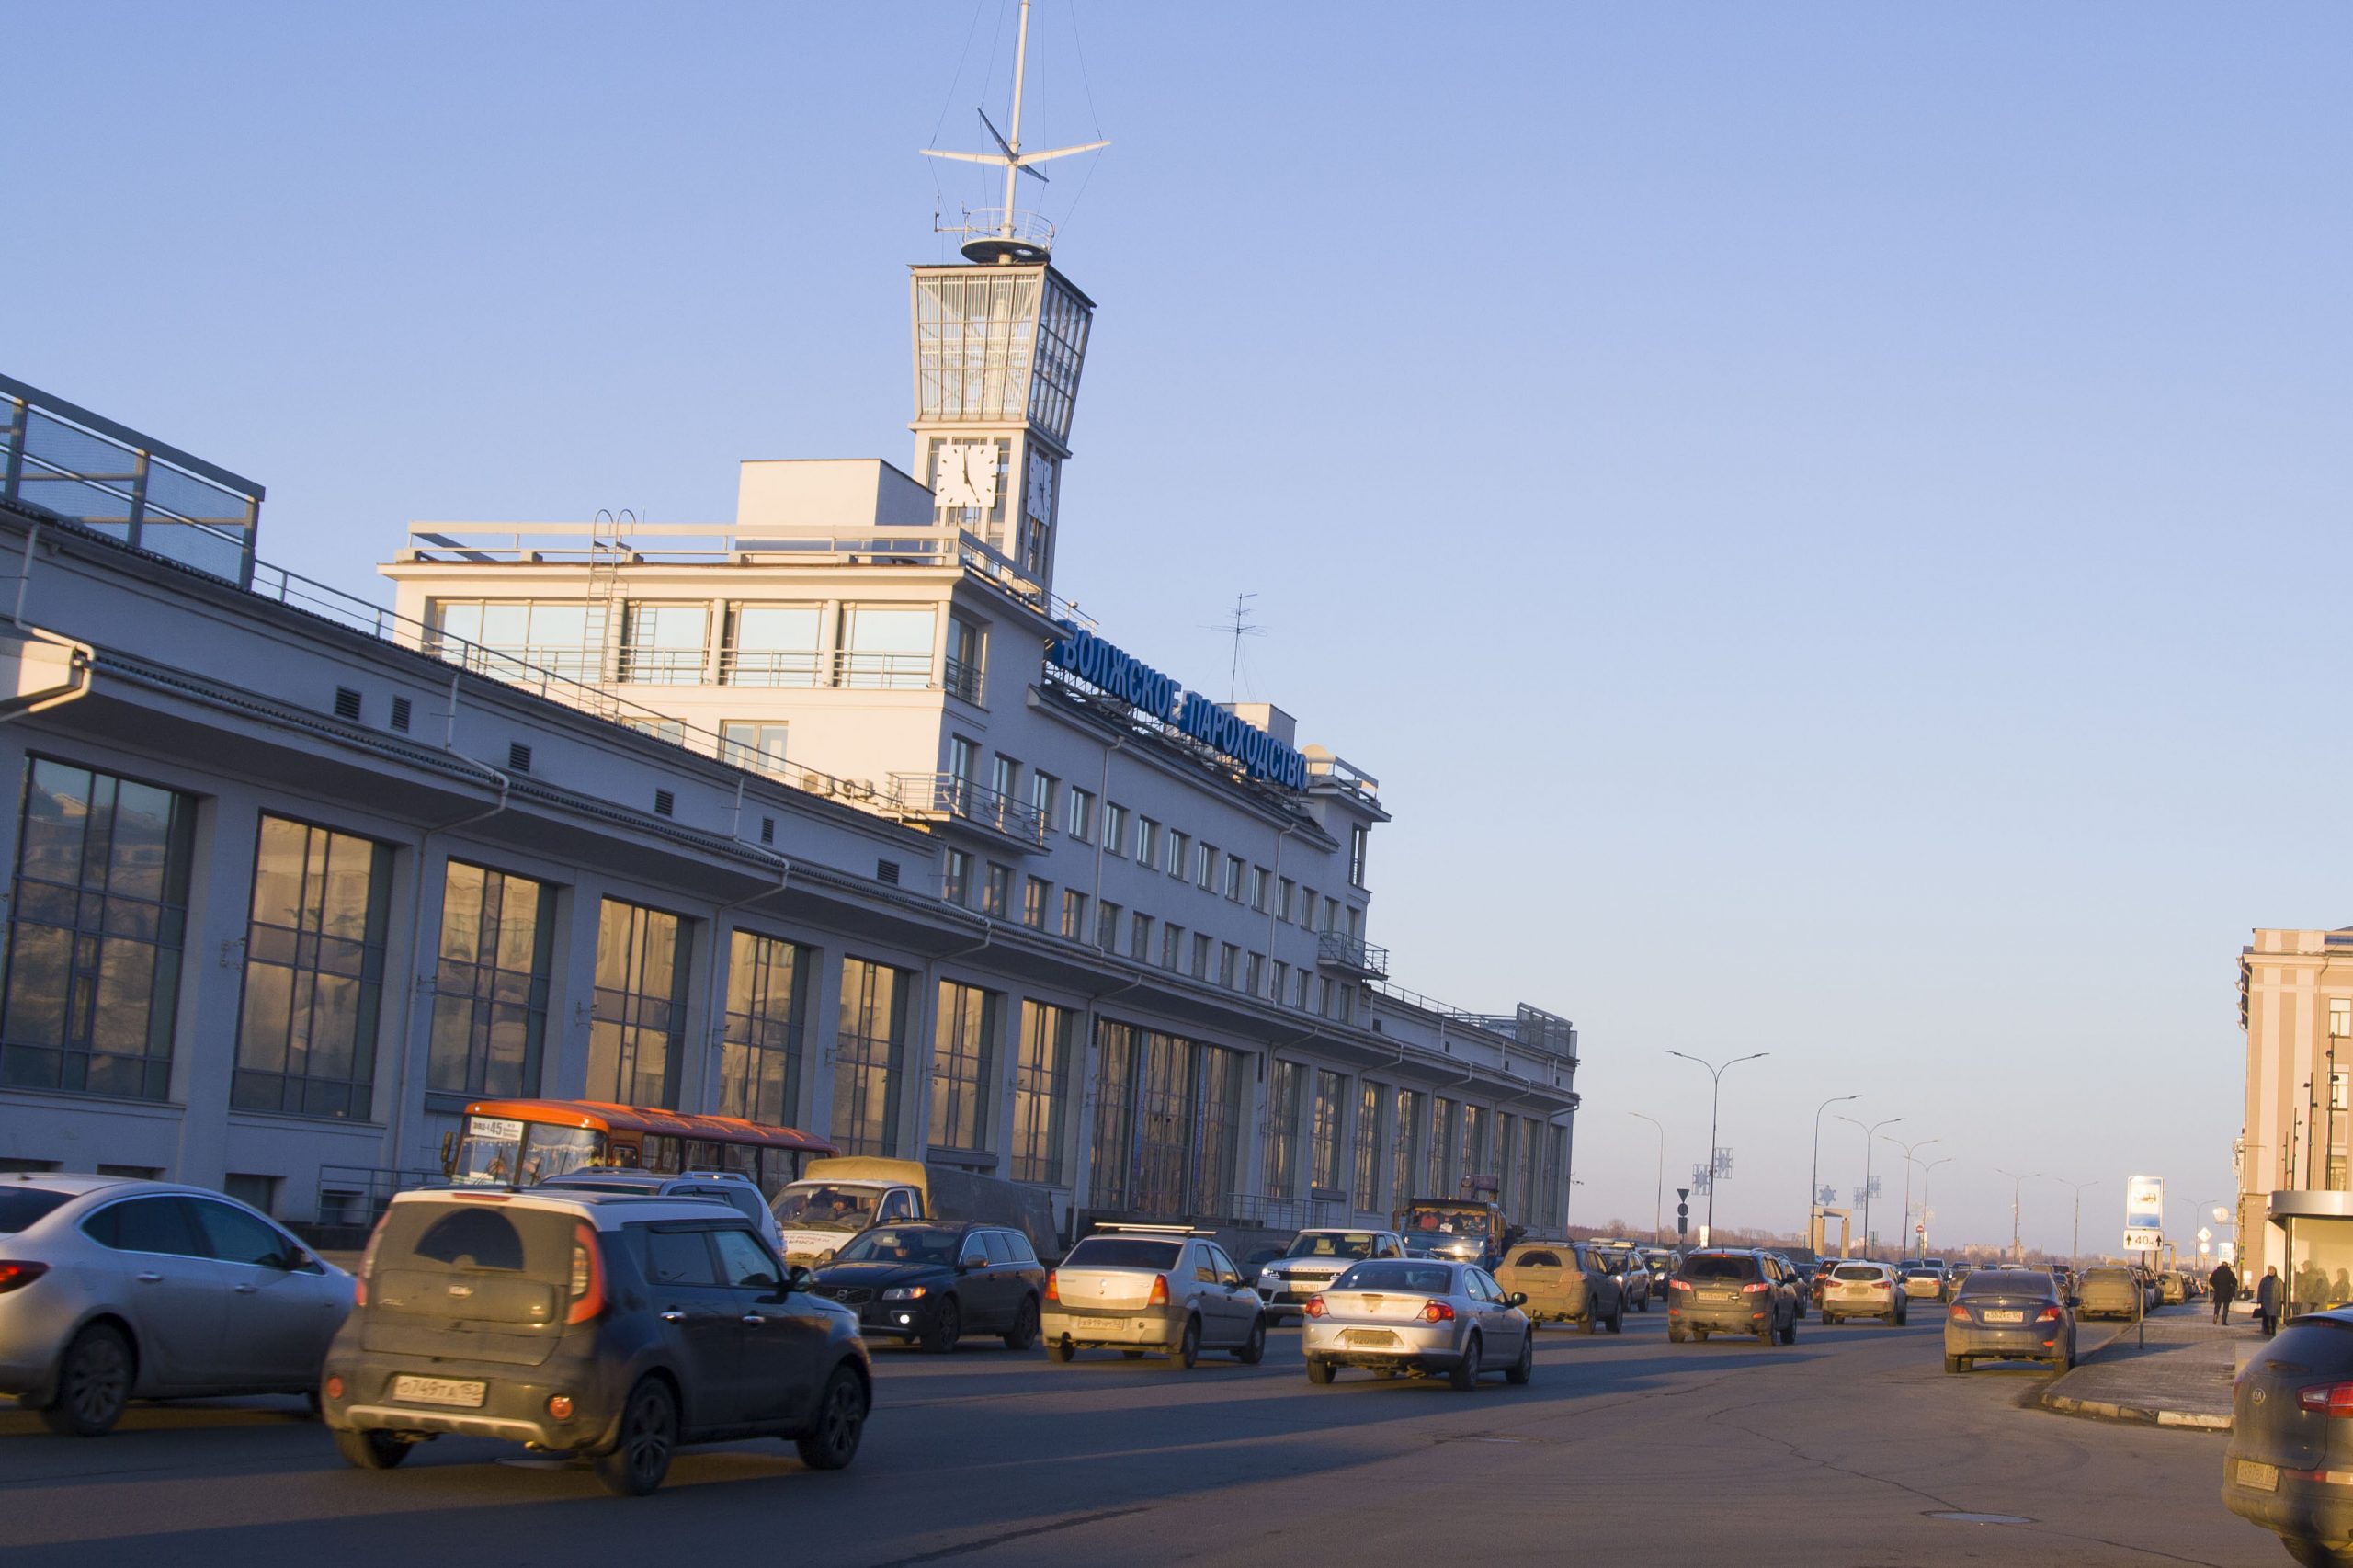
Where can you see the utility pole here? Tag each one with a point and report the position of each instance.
(1908, 1148)
(1869, 1133)
(1715, 1095)
(1924, 1170)
(1814, 1236)
(2017, 1251)
(1658, 1199)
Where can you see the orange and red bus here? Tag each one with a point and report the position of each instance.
(517, 1142)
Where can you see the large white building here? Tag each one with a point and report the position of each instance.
(831, 815)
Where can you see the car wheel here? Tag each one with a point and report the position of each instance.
(1591, 1321)
(1523, 1370)
(1955, 1364)
(1789, 1335)
(1254, 1349)
(1643, 1305)
(1618, 1320)
(1830, 1320)
(372, 1449)
(1465, 1375)
(1025, 1326)
(649, 1434)
(1767, 1335)
(1320, 1372)
(946, 1326)
(1060, 1351)
(92, 1384)
(832, 1442)
(1187, 1349)
(1674, 1335)
(1700, 1334)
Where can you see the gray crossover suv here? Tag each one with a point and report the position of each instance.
(596, 1323)
(1733, 1290)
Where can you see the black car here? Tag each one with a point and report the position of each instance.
(934, 1281)
(2290, 1438)
(1733, 1290)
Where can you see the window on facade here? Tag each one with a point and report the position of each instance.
(1300, 983)
(1041, 1092)
(963, 1059)
(967, 659)
(1281, 1158)
(638, 1023)
(1172, 946)
(1201, 945)
(507, 637)
(1551, 1197)
(1180, 846)
(669, 729)
(1041, 795)
(886, 647)
(1107, 926)
(1445, 1129)
(1229, 963)
(760, 1053)
(94, 933)
(1359, 836)
(1111, 1144)
(1147, 842)
(1258, 888)
(490, 987)
(996, 891)
(1140, 937)
(665, 643)
(963, 759)
(1225, 1076)
(1004, 775)
(1368, 1146)
(1523, 1165)
(1079, 820)
(1477, 1150)
(1035, 893)
(1324, 1128)
(754, 745)
(1074, 914)
(1307, 909)
(868, 1051)
(1205, 867)
(1234, 877)
(2340, 1017)
(1330, 915)
(1279, 990)
(956, 880)
(314, 972)
(1405, 1149)
(1253, 974)
(1115, 828)
(773, 646)
(1286, 895)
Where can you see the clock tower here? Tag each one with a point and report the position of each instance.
(999, 342)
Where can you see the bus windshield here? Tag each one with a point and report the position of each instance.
(498, 1151)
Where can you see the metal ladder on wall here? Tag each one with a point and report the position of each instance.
(608, 551)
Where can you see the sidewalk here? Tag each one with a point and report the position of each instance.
(2181, 1376)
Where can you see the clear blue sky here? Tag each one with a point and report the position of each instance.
(1827, 521)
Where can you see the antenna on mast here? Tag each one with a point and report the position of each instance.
(1008, 234)
(1237, 627)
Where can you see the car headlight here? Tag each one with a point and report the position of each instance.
(905, 1293)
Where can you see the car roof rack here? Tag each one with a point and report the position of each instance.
(1153, 1229)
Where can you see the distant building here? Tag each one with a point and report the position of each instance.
(2295, 1202)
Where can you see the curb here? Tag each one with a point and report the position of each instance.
(2196, 1420)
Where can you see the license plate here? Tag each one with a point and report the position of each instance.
(1997, 1315)
(2262, 1477)
(439, 1391)
(1368, 1336)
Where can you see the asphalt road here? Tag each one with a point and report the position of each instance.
(1838, 1450)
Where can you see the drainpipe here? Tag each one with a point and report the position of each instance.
(1102, 806)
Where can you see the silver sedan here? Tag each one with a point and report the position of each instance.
(113, 1289)
(1423, 1316)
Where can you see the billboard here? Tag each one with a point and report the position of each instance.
(2144, 1213)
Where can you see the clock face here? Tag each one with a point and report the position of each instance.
(1041, 489)
(954, 485)
(980, 473)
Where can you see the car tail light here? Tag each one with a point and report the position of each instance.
(334, 1388)
(560, 1406)
(2327, 1399)
(1678, 1284)
(1159, 1296)
(1758, 1289)
(1054, 1287)
(587, 1276)
(1316, 1307)
(1958, 1313)
(1438, 1312)
(16, 1275)
(2048, 1315)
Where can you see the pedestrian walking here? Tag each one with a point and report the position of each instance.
(2267, 1300)
(2225, 1282)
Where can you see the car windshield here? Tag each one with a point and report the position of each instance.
(901, 1244)
(2007, 1282)
(1719, 1267)
(1332, 1244)
(1122, 1252)
(820, 1206)
(1858, 1271)
(20, 1206)
(1431, 1279)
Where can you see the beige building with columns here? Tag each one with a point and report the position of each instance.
(2295, 1201)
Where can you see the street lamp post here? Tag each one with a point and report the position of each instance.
(1814, 1236)
(1907, 1149)
(1714, 1097)
(2017, 1251)
(1924, 1169)
(1658, 1199)
(1869, 1133)
(2075, 1245)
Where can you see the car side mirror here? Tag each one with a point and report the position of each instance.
(2075, 1301)
(795, 1278)
(1517, 1299)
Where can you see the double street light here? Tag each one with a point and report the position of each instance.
(1813, 1235)
(2017, 1250)
(1869, 1132)
(1922, 1249)
(2075, 1244)
(1658, 1199)
(1714, 1097)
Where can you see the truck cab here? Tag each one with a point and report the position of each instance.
(837, 1198)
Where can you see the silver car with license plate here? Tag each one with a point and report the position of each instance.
(1428, 1317)
(113, 1289)
(1858, 1289)
(1152, 1290)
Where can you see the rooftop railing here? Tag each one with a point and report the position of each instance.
(1340, 949)
(113, 481)
(951, 795)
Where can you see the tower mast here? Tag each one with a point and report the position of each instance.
(1004, 239)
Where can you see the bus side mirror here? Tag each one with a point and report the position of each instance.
(449, 1148)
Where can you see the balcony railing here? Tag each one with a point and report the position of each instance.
(663, 667)
(948, 795)
(1337, 950)
(748, 666)
(881, 672)
(964, 681)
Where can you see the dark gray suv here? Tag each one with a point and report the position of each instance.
(615, 1327)
(1733, 1290)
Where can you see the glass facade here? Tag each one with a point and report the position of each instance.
(773, 646)
(1368, 1147)
(315, 972)
(490, 987)
(1405, 1149)
(666, 644)
(508, 635)
(94, 934)
(760, 1052)
(1110, 1181)
(886, 647)
(1323, 1137)
(638, 1023)
(1445, 1128)
(867, 1056)
(1041, 1092)
(963, 1059)
(1283, 1095)
(1226, 1084)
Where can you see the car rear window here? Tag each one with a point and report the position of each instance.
(20, 1206)
(2109, 1276)
(1391, 1275)
(1536, 1260)
(1858, 1272)
(1720, 1268)
(2320, 1346)
(477, 1261)
(1122, 1252)
(2007, 1282)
